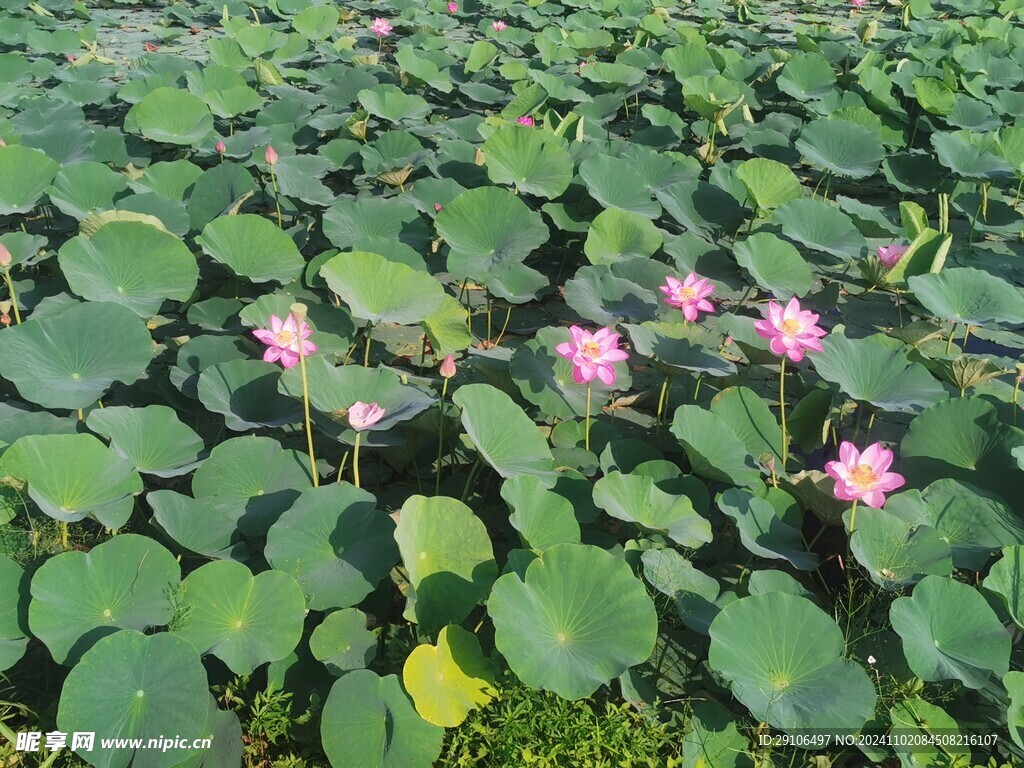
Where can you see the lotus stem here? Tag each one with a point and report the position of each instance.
(488, 344)
(662, 398)
(696, 389)
(355, 460)
(867, 432)
(469, 479)
(277, 197)
(366, 353)
(440, 441)
(299, 312)
(586, 428)
(967, 333)
(782, 411)
(14, 296)
(1016, 391)
(853, 516)
(341, 468)
(949, 339)
(64, 535)
(508, 316)
(1016, 199)
(899, 306)
(81, 415)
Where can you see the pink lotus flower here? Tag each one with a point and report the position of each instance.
(858, 3)
(70, 58)
(791, 330)
(592, 354)
(270, 155)
(689, 295)
(381, 28)
(863, 475)
(453, 7)
(5, 256)
(437, 207)
(221, 147)
(364, 415)
(890, 255)
(447, 369)
(526, 120)
(282, 340)
(499, 25)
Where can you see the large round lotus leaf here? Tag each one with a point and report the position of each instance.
(388, 102)
(950, 632)
(775, 264)
(615, 183)
(152, 438)
(1014, 684)
(490, 231)
(316, 22)
(578, 619)
(342, 641)
(934, 95)
(603, 297)
(172, 116)
(712, 448)
(448, 556)
(969, 295)
(542, 517)
(806, 76)
(545, 377)
(24, 175)
(335, 543)
(13, 612)
(133, 686)
(225, 733)
(701, 207)
(505, 437)
(173, 180)
(369, 721)
(974, 521)
(617, 235)
(449, 680)
(203, 526)
(83, 189)
(534, 162)
(693, 591)
(963, 439)
(821, 227)
(245, 393)
(895, 552)
(132, 264)
(80, 597)
(748, 417)
(334, 389)
(349, 223)
(636, 499)
(22, 246)
(681, 346)
(68, 359)
(218, 190)
(769, 183)
(71, 476)
(873, 372)
(243, 620)
(841, 147)
(253, 475)
(960, 155)
(253, 247)
(784, 658)
(916, 722)
(380, 290)
(1006, 579)
(714, 739)
(763, 530)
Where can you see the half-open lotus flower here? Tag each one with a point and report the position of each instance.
(364, 415)
(282, 340)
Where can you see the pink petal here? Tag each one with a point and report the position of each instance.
(289, 358)
(276, 324)
(265, 336)
(764, 329)
(774, 313)
(792, 311)
(849, 454)
(577, 375)
(874, 498)
(841, 492)
(606, 374)
(873, 456)
(671, 284)
(796, 354)
(578, 335)
(690, 312)
(705, 306)
(565, 349)
(777, 345)
(890, 481)
(615, 356)
(811, 343)
(272, 354)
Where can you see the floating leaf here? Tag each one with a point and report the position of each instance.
(253, 247)
(342, 641)
(379, 290)
(449, 680)
(636, 499)
(534, 162)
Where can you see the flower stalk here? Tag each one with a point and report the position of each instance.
(299, 313)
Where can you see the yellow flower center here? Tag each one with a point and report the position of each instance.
(285, 337)
(862, 476)
(591, 350)
(683, 294)
(790, 327)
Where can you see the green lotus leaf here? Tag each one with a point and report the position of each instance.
(22, 246)
(83, 189)
(449, 680)
(806, 76)
(680, 346)
(14, 603)
(968, 295)
(768, 183)
(370, 721)
(617, 235)
(763, 531)
(712, 448)
(504, 436)
(949, 632)
(873, 372)
(615, 183)
(914, 720)
(388, 102)
(349, 223)
(132, 264)
(243, 620)
(636, 499)
(612, 74)
(534, 162)
(342, 641)
(205, 526)
(1014, 684)
(448, 556)
(841, 147)
(775, 264)
(960, 155)
(253, 247)
(934, 95)
(379, 290)
(72, 476)
(927, 253)
(232, 102)
(335, 543)
(747, 416)
(714, 739)
(217, 191)
(689, 59)
(701, 207)
(1006, 579)
(80, 597)
(333, 328)
(577, 619)
(604, 297)
(490, 231)
(253, 477)
(25, 174)
(820, 227)
(542, 517)
(171, 214)
(693, 591)
(545, 377)
(447, 328)
(415, 63)
(135, 686)
(897, 553)
(172, 116)
(225, 733)
(66, 359)
(792, 672)
(245, 393)
(173, 180)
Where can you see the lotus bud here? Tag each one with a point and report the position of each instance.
(437, 207)
(5, 256)
(299, 312)
(271, 155)
(221, 147)
(447, 369)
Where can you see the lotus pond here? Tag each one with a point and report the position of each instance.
(569, 382)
